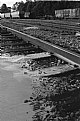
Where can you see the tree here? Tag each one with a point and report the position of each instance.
(47, 8)
(20, 6)
(29, 6)
(15, 6)
(21, 9)
(37, 10)
(4, 8)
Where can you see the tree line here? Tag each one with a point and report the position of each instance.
(41, 8)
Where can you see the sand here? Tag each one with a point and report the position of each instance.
(15, 87)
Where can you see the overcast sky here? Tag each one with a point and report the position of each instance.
(9, 3)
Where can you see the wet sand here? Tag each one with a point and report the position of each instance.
(15, 87)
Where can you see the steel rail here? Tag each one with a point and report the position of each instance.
(60, 52)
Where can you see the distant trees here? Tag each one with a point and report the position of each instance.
(19, 6)
(45, 8)
(39, 8)
(4, 8)
(21, 9)
(29, 6)
(15, 6)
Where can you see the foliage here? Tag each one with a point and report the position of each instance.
(41, 8)
(21, 9)
(4, 8)
(19, 6)
(37, 10)
(15, 6)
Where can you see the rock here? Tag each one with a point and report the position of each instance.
(31, 97)
(72, 114)
(26, 101)
(48, 108)
(42, 108)
(25, 73)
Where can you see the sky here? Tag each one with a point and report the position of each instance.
(10, 3)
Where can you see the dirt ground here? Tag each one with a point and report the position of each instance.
(15, 87)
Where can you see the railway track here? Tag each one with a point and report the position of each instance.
(51, 23)
(58, 92)
(12, 43)
(49, 32)
(62, 53)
